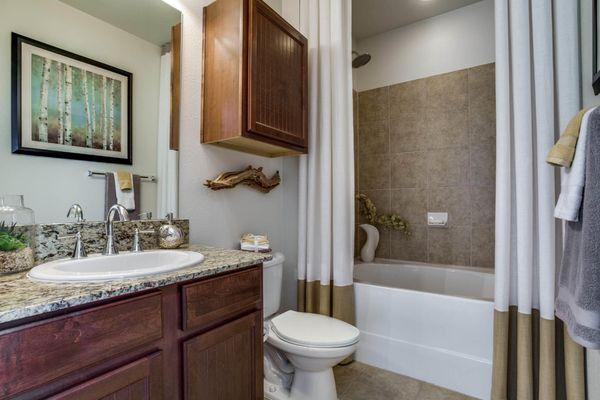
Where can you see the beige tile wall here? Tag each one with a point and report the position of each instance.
(429, 145)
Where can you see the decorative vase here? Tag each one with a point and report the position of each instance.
(15, 261)
(13, 210)
(367, 253)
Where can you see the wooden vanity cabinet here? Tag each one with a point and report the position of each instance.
(255, 85)
(140, 347)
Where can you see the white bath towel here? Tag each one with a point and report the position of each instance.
(571, 191)
(126, 198)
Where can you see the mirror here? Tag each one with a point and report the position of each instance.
(94, 86)
(596, 52)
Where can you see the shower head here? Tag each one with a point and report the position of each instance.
(360, 59)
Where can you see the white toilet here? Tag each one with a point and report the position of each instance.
(313, 344)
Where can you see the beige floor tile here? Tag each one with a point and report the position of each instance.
(359, 381)
(431, 392)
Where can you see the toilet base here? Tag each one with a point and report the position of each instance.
(307, 385)
(313, 385)
(275, 392)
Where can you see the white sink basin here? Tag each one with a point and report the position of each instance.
(96, 268)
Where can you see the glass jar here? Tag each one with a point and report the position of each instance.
(13, 210)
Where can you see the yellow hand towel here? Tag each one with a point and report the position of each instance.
(125, 180)
(562, 153)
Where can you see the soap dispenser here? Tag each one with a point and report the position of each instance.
(170, 236)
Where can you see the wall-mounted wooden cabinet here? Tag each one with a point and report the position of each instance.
(255, 88)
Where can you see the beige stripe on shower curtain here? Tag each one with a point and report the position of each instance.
(326, 203)
(335, 301)
(533, 358)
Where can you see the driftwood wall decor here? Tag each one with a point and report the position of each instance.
(253, 177)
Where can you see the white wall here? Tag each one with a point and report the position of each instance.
(589, 100)
(219, 218)
(452, 41)
(51, 185)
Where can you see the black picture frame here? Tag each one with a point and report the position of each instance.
(16, 104)
(595, 71)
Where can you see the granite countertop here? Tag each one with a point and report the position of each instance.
(21, 297)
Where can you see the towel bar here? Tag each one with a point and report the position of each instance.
(150, 178)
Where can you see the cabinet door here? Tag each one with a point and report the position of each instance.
(139, 380)
(225, 363)
(277, 78)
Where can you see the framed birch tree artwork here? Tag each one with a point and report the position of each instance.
(68, 106)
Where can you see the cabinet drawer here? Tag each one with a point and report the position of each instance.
(217, 298)
(42, 351)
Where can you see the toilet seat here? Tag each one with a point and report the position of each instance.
(314, 330)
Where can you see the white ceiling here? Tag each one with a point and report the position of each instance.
(150, 20)
(370, 17)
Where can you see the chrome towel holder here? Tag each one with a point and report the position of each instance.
(150, 178)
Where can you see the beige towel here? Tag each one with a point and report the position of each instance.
(562, 153)
(125, 180)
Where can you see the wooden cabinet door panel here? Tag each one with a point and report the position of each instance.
(225, 363)
(37, 353)
(139, 380)
(277, 74)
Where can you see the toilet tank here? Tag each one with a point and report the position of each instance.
(272, 279)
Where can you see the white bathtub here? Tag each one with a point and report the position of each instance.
(433, 323)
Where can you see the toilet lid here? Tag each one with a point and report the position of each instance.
(314, 330)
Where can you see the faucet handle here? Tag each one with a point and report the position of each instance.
(79, 249)
(146, 215)
(136, 246)
(76, 211)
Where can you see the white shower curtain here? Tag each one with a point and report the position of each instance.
(326, 215)
(535, 88)
(167, 160)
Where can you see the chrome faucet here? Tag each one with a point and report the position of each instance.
(121, 211)
(76, 212)
(136, 246)
(79, 249)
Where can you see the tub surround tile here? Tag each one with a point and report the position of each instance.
(455, 201)
(447, 92)
(448, 167)
(408, 133)
(482, 246)
(375, 137)
(373, 105)
(483, 165)
(410, 204)
(383, 249)
(374, 172)
(408, 97)
(482, 105)
(441, 157)
(21, 297)
(409, 170)
(413, 248)
(449, 245)
(447, 129)
(381, 200)
(483, 204)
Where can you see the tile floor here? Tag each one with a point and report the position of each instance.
(359, 381)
